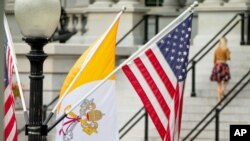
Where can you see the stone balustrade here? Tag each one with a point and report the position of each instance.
(76, 20)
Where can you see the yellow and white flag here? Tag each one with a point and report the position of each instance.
(95, 118)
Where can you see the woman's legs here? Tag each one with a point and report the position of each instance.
(219, 91)
(224, 87)
(221, 87)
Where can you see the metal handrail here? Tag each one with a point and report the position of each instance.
(130, 120)
(214, 116)
(216, 106)
(130, 127)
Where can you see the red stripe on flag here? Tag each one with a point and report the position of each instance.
(167, 136)
(8, 104)
(176, 110)
(150, 109)
(154, 61)
(153, 86)
(9, 127)
(15, 136)
(176, 100)
(180, 111)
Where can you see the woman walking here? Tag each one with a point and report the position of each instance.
(221, 71)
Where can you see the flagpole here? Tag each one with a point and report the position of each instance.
(13, 55)
(85, 63)
(1, 71)
(125, 62)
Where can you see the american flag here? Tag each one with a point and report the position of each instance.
(10, 124)
(158, 76)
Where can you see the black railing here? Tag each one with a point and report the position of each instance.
(245, 28)
(132, 122)
(242, 42)
(225, 98)
(248, 29)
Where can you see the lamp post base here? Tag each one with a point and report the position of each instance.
(36, 57)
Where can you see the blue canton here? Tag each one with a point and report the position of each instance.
(175, 48)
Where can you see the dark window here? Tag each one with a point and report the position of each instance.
(153, 2)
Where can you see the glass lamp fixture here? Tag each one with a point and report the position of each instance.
(37, 18)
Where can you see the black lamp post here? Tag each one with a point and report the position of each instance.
(36, 57)
(37, 20)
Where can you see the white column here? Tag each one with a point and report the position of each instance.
(103, 3)
(71, 23)
(76, 23)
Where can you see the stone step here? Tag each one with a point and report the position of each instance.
(208, 135)
(224, 125)
(211, 86)
(196, 117)
(204, 76)
(212, 94)
(211, 101)
(205, 109)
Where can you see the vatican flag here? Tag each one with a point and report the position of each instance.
(95, 118)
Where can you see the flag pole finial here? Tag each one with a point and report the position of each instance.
(124, 8)
(195, 4)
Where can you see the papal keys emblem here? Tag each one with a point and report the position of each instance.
(88, 118)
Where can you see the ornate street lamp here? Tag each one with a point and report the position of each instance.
(37, 20)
